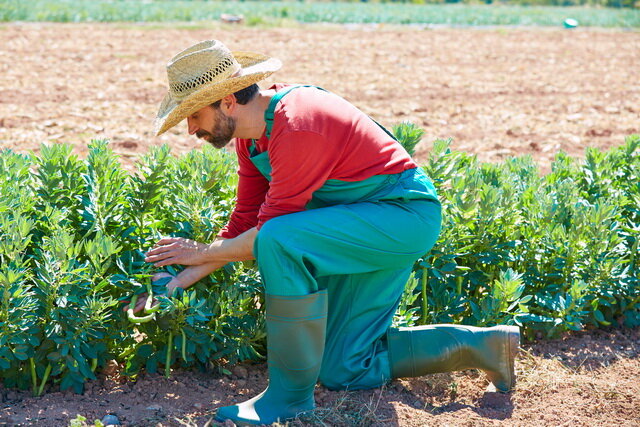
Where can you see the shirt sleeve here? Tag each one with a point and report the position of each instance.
(252, 189)
(301, 162)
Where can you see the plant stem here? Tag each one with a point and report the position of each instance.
(167, 364)
(34, 376)
(423, 290)
(44, 379)
(184, 346)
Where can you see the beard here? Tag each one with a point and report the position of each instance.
(222, 131)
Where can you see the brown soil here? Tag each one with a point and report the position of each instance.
(496, 92)
(584, 379)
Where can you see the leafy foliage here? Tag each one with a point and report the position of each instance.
(551, 253)
(72, 240)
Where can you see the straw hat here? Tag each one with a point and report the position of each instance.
(204, 74)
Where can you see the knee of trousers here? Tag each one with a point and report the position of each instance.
(335, 380)
(338, 379)
(271, 238)
(356, 371)
(281, 261)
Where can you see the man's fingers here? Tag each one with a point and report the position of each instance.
(164, 261)
(162, 250)
(142, 298)
(154, 258)
(140, 304)
(167, 241)
(160, 259)
(159, 250)
(161, 275)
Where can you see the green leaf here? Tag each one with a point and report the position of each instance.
(525, 299)
(4, 363)
(600, 318)
(144, 350)
(54, 356)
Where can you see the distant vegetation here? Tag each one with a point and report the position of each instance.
(276, 13)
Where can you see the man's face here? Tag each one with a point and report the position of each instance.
(212, 125)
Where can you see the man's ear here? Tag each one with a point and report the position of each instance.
(228, 104)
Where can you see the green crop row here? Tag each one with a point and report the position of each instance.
(72, 239)
(273, 12)
(551, 253)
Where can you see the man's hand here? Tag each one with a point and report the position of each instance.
(177, 250)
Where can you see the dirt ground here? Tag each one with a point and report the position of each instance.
(496, 92)
(584, 379)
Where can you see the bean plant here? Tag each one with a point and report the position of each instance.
(550, 253)
(73, 234)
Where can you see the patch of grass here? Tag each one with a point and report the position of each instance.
(271, 13)
(345, 410)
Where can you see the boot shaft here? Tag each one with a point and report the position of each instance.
(422, 350)
(296, 329)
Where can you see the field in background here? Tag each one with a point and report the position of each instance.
(277, 13)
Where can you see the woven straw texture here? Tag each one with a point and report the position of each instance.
(206, 73)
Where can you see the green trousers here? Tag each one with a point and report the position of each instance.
(362, 254)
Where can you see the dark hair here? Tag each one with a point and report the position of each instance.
(243, 95)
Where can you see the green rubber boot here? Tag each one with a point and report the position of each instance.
(421, 350)
(296, 328)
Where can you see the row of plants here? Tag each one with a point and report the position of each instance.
(283, 12)
(72, 239)
(552, 253)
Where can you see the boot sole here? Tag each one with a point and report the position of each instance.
(512, 346)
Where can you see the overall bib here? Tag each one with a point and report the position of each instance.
(359, 241)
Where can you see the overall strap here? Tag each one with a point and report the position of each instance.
(384, 129)
(268, 114)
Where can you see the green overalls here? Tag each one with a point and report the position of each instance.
(333, 277)
(359, 241)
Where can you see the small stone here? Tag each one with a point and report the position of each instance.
(88, 389)
(240, 372)
(154, 407)
(110, 368)
(197, 405)
(110, 420)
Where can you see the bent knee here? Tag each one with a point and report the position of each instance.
(272, 234)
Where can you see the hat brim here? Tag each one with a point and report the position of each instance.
(255, 67)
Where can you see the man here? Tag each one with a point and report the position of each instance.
(336, 213)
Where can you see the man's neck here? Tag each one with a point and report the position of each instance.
(251, 124)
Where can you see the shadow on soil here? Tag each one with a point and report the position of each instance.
(488, 404)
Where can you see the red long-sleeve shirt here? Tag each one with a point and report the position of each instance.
(316, 136)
